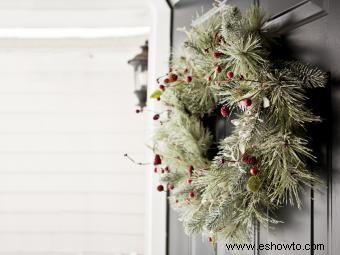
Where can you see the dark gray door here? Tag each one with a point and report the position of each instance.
(312, 30)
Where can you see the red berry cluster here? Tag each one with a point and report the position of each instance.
(160, 188)
(225, 111)
(156, 116)
(190, 170)
(157, 160)
(174, 75)
(217, 54)
(191, 194)
(246, 102)
(170, 77)
(218, 69)
(230, 74)
(253, 171)
(248, 159)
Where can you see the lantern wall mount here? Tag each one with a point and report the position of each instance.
(140, 65)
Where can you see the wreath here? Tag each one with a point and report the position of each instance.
(232, 66)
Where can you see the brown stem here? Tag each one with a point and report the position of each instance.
(231, 161)
(160, 113)
(135, 162)
(229, 80)
(160, 77)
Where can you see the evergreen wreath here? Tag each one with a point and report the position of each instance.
(230, 65)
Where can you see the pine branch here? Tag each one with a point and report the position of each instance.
(308, 75)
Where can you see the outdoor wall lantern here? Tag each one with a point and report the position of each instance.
(140, 65)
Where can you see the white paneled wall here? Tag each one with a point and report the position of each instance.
(73, 13)
(66, 119)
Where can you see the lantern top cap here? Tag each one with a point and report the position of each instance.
(142, 57)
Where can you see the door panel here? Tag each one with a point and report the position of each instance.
(311, 35)
(293, 16)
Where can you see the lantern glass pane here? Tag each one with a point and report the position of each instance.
(140, 78)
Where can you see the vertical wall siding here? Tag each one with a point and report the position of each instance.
(66, 118)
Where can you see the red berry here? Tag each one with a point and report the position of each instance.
(218, 69)
(191, 170)
(191, 194)
(246, 102)
(253, 160)
(189, 78)
(217, 54)
(156, 117)
(160, 188)
(189, 181)
(225, 111)
(166, 80)
(209, 78)
(250, 160)
(137, 111)
(230, 74)
(162, 87)
(155, 169)
(172, 77)
(253, 171)
(157, 160)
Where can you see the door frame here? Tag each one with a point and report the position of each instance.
(158, 64)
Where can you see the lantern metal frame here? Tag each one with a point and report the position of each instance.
(140, 64)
